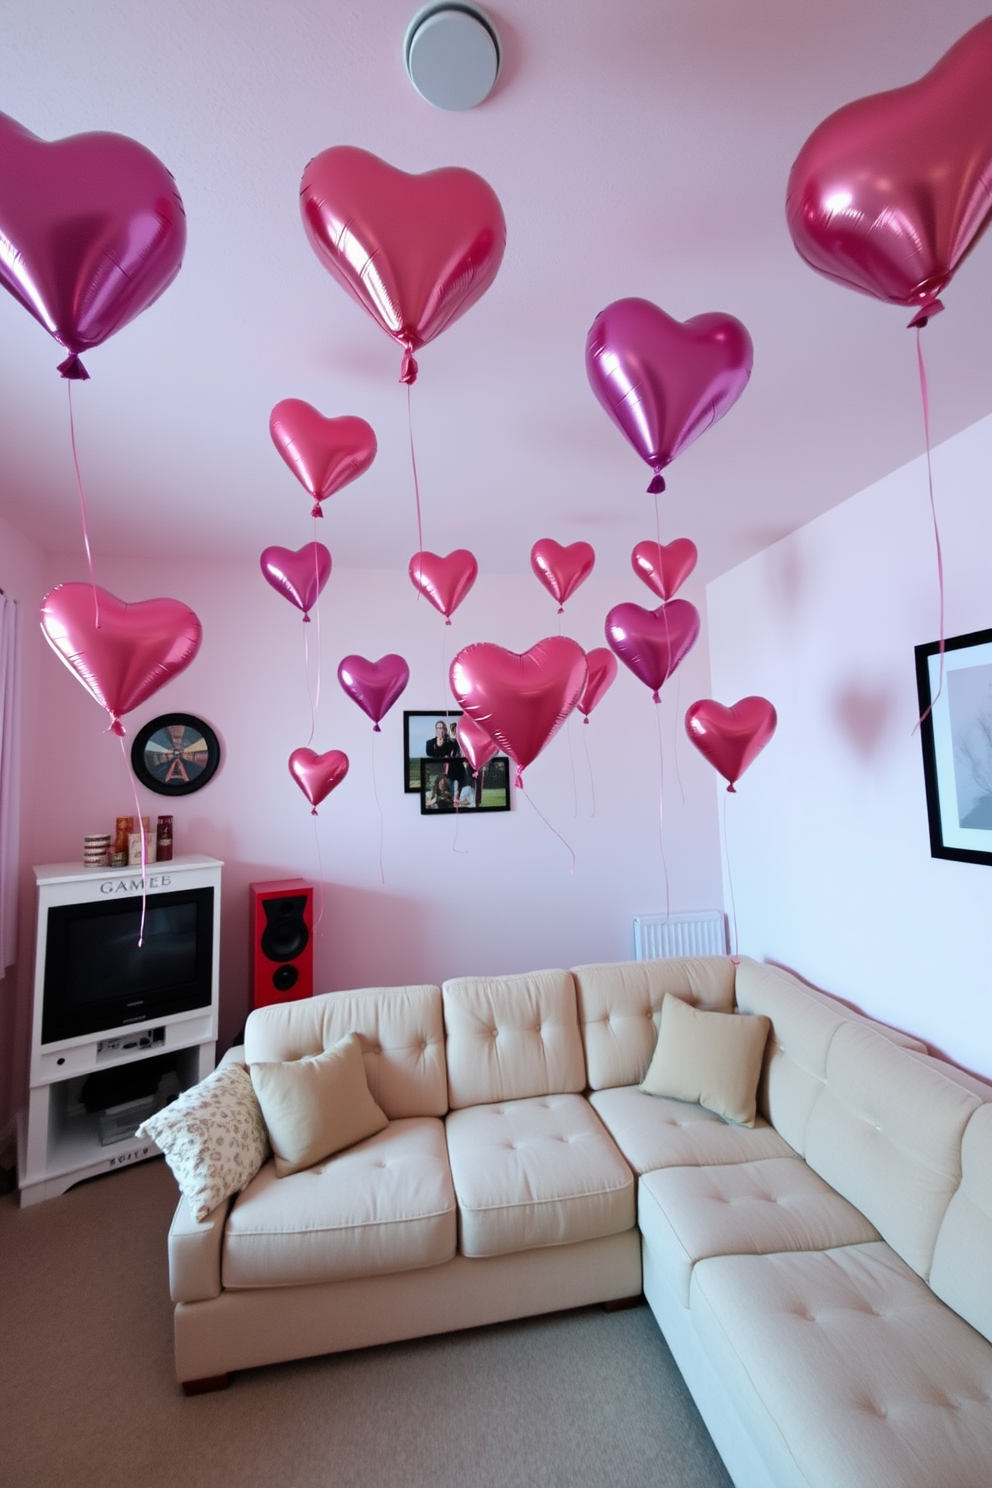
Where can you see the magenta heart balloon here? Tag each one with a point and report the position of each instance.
(317, 774)
(323, 453)
(731, 738)
(664, 567)
(521, 701)
(602, 674)
(445, 581)
(299, 577)
(374, 685)
(889, 193)
(416, 252)
(561, 570)
(92, 230)
(652, 642)
(135, 649)
(475, 744)
(662, 381)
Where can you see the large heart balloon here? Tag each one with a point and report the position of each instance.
(300, 576)
(731, 738)
(602, 674)
(445, 581)
(663, 381)
(317, 774)
(521, 701)
(374, 685)
(664, 567)
(561, 570)
(133, 651)
(323, 453)
(92, 230)
(416, 252)
(475, 744)
(889, 193)
(652, 642)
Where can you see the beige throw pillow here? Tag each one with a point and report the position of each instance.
(317, 1105)
(712, 1058)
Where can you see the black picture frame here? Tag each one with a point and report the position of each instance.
(956, 738)
(471, 793)
(175, 754)
(418, 727)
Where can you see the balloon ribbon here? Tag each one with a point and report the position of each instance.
(82, 513)
(925, 396)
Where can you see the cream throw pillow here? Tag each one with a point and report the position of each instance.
(712, 1058)
(317, 1105)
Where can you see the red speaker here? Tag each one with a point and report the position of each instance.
(280, 921)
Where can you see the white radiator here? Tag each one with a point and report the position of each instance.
(700, 934)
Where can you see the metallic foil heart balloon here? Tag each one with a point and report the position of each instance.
(602, 674)
(731, 738)
(664, 567)
(889, 193)
(92, 230)
(374, 685)
(323, 453)
(653, 642)
(662, 381)
(135, 649)
(416, 252)
(300, 576)
(445, 581)
(561, 570)
(317, 774)
(521, 701)
(475, 744)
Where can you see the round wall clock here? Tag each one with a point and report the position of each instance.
(175, 754)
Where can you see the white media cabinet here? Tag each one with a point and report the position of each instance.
(58, 1140)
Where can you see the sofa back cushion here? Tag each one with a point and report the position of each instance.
(960, 1271)
(512, 1037)
(401, 1032)
(620, 1009)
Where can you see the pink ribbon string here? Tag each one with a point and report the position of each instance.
(413, 464)
(82, 508)
(141, 830)
(571, 762)
(730, 880)
(378, 806)
(925, 395)
(544, 819)
(592, 782)
(320, 879)
(661, 818)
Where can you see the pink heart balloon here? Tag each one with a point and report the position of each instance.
(135, 649)
(416, 252)
(374, 685)
(652, 642)
(299, 577)
(664, 567)
(662, 381)
(317, 774)
(889, 193)
(445, 581)
(94, 231)
(323, 453)
(731, 738)
(521, 701)
(475, 744)
(561, 570)
(602, 674)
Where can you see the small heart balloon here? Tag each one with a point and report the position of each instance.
(475, 744)
(374, 685)
(416, 252)
(521, 701)
(664, 567)
(731, 738)
(662, 381)
(652, 642)
(561, 570)
(323, 453)
(445, 581)
(317, 774)
(126, 657)
(602, 674)
(299, 577)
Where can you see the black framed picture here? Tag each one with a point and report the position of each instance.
(450, 786)
(175, 754)
(956, 735)
(428, 736)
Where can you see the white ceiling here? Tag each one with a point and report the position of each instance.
(639, 147)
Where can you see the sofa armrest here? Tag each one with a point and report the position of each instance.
(194, 1253)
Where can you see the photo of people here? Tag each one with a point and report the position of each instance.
(442, 776)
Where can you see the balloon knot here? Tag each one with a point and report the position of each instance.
(306, 619)
(519, 782)
(657, 485)
(924, 314)
(586, 719)
(376, 729)
(117, 728)
(408, 367)
(731, 789)
(448, 621)
(561, 609)
(317, 512)
(73, 369)
(314, 811)
(654, 696)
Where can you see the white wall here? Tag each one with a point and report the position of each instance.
(828, 843)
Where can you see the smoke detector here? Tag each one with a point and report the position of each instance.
(452, 54)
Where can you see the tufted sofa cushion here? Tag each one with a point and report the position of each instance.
(961, 1273)
(512, 1037)
(653, 1131)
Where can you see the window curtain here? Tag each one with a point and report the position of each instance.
(9, 777)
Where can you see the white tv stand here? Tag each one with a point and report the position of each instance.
(58, 1141)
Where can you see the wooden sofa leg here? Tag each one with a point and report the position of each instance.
(621, 1304)
(205, 1386)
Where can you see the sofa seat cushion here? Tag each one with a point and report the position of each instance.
(653, 1131)
(847, 1369)
(751, 1208)
(385, 1205)
(536, 1172)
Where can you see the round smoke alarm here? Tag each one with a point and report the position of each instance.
(452, 54)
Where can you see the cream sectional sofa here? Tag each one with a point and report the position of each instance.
(824, 1279)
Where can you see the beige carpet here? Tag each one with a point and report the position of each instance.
(88, 1398)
